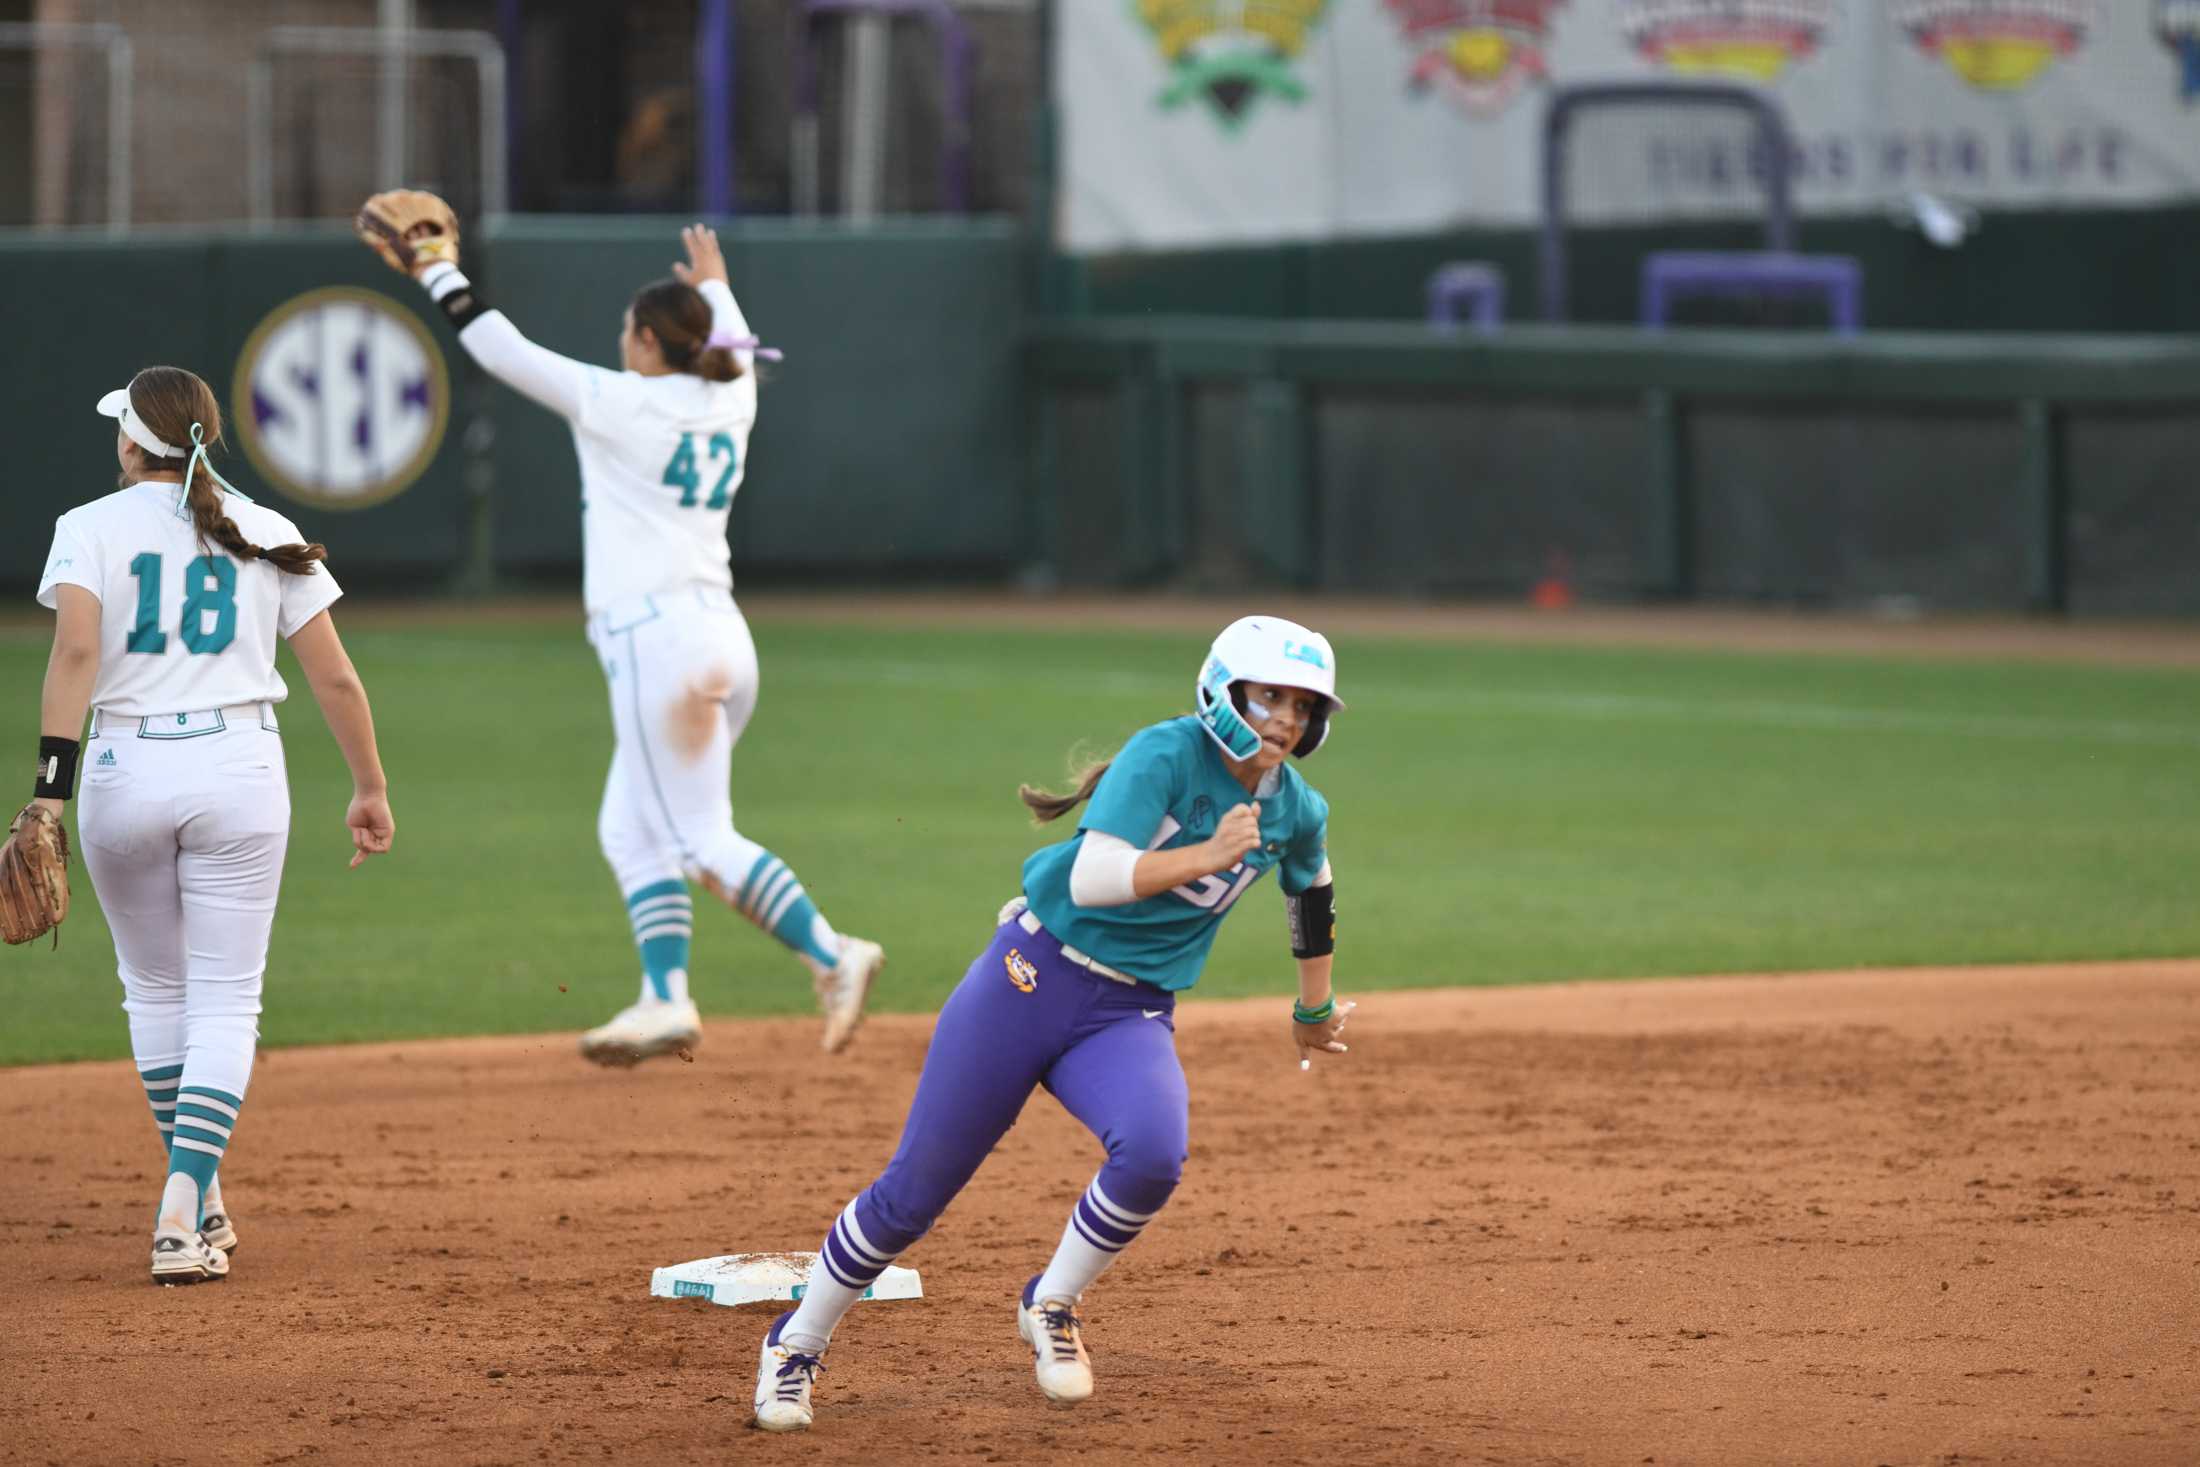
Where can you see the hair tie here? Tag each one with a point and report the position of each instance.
(731, 342)
(200, 453)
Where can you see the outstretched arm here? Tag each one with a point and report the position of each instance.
(559, 383)
(416, 234)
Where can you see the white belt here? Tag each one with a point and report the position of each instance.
(1030, 924)
(184, 725)
(624, 616)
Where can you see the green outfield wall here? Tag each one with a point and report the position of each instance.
(886, 445)
(927, 427)
(2004, 472)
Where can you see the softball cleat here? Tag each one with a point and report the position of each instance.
(1055, 1334)
(844, 991)
(184, 1258)
(643, 1030)
(783, 1381)
(218, 1232)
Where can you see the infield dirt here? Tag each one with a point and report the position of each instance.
(1898, 1217)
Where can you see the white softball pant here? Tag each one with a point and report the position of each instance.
(185, 820)
(682, 673)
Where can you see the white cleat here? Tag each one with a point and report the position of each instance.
(218, 1232)
(783, 1381)
(642, 1030)
(844, 991)
(1053, 1331)
(184, 1258)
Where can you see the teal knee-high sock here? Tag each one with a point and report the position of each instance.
(664, 926)
(205, 1117)
(774, 900)
(160, 1092)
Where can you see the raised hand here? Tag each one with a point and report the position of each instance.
(705, 260)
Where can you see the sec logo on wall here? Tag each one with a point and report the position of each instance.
(341, 398)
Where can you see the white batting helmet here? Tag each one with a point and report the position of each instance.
(1265, 649)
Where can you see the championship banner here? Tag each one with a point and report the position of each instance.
(1205, 122)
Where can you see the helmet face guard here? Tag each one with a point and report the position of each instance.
(1218, 711)
(1265, 649)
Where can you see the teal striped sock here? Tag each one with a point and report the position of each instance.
(160, 1092)
(664, 927)
(204, 1119)
(774, 900)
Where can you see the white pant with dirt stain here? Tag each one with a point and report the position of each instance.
(682, 673)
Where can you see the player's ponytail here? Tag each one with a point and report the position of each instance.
(180, 408)
(678, 316)
(1045, 806)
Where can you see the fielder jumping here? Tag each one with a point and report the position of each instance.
(1077, 992)
(170, 596)
(663, 447)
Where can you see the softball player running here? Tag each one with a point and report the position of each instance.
(1077, 992)
(663, 446)
(170, 595)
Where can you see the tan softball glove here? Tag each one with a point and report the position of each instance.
(34, 876)
(408, 228)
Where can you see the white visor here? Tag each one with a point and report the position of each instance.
(116, 404)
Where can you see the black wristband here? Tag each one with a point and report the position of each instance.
(56, 768)
(1313, 914)
(463, 305)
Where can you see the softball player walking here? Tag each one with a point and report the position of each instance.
(663, 447)
(170, 594)
(1077, 992)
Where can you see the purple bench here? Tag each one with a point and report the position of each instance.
(1838, 280)
(1468, 284)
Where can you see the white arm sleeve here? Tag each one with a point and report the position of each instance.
(556, 382)
(1101, 875)
(1323, 877)
(725, 315)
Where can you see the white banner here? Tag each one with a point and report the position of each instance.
(1199, 122)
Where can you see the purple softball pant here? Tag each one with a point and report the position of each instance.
(1025, 1016)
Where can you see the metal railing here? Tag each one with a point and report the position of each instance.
(1759, 109)
(864, 154)
(479, 47)
(34, 36)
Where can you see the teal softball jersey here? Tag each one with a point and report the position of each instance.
(1169, 788)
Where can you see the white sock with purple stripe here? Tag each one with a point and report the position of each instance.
(1098, 1230)
(847, 1265)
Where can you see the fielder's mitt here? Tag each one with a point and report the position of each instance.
(408, 228)
(34, 876)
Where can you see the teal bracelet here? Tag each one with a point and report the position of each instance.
(1301, 1014)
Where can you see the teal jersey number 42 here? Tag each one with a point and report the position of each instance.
(685, 474)
(1169, 788)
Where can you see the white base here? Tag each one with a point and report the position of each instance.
(755, 1278)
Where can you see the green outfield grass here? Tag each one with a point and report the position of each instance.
(1501, 815)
